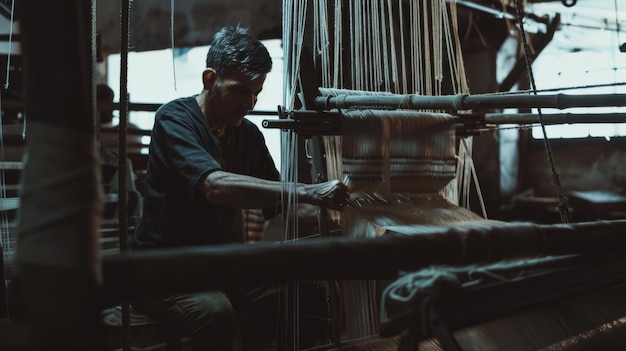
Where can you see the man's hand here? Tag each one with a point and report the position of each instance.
(331, 194)
(241, 191)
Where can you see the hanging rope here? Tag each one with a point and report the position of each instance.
(562, 206)
(6, 83)
(6, 242)
(123, 120)
(617, 30)
(398, 47)
(172, 42)
(294, 20)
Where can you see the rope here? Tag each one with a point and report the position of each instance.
(293, 33)
(294, 20)
(6, 83)
(562, 206)
(394, 46)
(123, 117)
(576, 87)
(172, 41)
(402, 52)
(5, 239)
(617, 29)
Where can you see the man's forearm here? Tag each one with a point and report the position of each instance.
(241, 191)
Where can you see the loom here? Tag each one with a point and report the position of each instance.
(396, 160)
(447, 270)
(397, 151)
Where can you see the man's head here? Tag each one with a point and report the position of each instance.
(237, 65)
(233, 48)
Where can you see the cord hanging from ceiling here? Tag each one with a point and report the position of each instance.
(563, 206)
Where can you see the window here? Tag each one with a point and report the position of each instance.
(583, 56)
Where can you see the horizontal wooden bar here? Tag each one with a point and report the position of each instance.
(149, 272)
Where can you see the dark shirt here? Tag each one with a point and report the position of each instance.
(184, 149)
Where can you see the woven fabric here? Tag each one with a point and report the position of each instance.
(398, 151)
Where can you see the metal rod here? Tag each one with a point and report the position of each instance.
(332, 124)
(477, 102)
(122, 130)
(307, 128)
(558, 118)
(473, 123)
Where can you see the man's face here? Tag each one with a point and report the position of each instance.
(233, 96)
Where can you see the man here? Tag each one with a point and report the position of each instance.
(109, 158)
(206, 162)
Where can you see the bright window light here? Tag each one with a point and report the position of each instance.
(582, 58)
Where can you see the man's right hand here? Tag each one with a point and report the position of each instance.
(332, 194)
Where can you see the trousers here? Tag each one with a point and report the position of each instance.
(207, 318)
(216, 320)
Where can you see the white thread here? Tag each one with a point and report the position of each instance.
(172, 42)
(5, 238)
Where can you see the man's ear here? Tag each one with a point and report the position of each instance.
(209, 76)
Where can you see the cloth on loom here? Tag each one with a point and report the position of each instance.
(398, 151)
(376, 214)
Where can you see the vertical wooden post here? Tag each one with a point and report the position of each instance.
(57, 277)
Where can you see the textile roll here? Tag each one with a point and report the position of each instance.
(398, 151)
